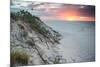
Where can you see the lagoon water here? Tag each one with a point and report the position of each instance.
(78, 39)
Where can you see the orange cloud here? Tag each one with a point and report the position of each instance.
(74, 15)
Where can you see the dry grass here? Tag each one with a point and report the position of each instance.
(19, 58)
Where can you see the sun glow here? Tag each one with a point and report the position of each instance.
(70, 15)
(70, 18)
(74, 15)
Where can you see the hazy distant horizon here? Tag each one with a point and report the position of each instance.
(68, 20)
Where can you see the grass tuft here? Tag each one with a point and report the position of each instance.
(19, 58)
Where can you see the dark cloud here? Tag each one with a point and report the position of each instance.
(88, 11)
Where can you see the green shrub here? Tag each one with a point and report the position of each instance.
(56, 61)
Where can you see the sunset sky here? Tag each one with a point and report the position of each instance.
(54, 11)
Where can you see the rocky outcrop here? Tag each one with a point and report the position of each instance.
(29, 35)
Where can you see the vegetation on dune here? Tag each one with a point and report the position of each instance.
(50, 35)
(19, 58)
(37, 25)
(56, 61)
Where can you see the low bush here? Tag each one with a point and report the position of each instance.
(56, 61)
(19, 58)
